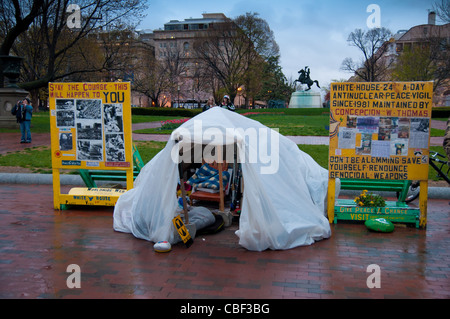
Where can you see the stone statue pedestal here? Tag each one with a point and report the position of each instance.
(8, 98)
(305, 99)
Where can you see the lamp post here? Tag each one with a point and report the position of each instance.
(10, 68)
(178, 104)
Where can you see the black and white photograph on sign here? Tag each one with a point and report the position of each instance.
(89, 109)
(89, 130)
(347, 138)
(65, 141)
(112, 117)
(65, 104)
(419, 132)
(89, 150)
(115, 148)
(65, 118)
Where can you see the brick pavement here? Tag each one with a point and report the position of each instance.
(37, 244)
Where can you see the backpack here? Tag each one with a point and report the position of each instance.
(14, 109)
(19, 113)
(216, 227)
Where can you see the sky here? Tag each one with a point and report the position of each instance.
(309, 32)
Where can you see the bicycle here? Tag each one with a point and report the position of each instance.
(440, 166)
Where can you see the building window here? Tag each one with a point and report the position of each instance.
(185, 46)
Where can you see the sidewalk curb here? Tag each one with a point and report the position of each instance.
(30, 178)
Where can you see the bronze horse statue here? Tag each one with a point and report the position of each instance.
(304, 78)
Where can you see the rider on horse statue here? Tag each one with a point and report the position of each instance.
(305, 79)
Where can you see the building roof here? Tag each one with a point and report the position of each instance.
(425, 31)
(206, 20)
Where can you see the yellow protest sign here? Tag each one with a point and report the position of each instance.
(182, 231)
(380, 130)
(90, 126)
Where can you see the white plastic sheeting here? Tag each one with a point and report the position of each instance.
(284, 188)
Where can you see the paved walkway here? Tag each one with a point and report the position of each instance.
(37, 244)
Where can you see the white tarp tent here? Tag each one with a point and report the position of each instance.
(283, 200)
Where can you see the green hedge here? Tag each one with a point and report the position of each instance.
(440, 112)
(287, 111)
(165, 111)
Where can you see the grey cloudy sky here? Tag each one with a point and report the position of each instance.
(309, 32)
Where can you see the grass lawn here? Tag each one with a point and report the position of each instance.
(298, 125)
(288, 124)
(38, 159)
(39, 124)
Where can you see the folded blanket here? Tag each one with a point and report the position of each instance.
(208, 177)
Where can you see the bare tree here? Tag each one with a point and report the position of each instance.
(234, 53)
(58, 44)
(258, 36)
(13, 22)
(220, 51)
(260, 45)
(372, 45)
(159, 79)
(174, 65)
(442, 9)
(150, 77)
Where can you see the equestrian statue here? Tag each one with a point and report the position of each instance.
(304, 78)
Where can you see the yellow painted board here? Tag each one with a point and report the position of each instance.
(380, 130)
(90, 125)
(92, 196)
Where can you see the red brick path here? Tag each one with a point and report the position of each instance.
(37, 244)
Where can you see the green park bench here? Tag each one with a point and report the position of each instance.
(399, 186)
(90, 176)
(395, 211)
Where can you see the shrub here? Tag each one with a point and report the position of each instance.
(165, 111)
(369, 200)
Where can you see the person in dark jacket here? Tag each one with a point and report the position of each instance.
(226, 103)
(24, 114)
